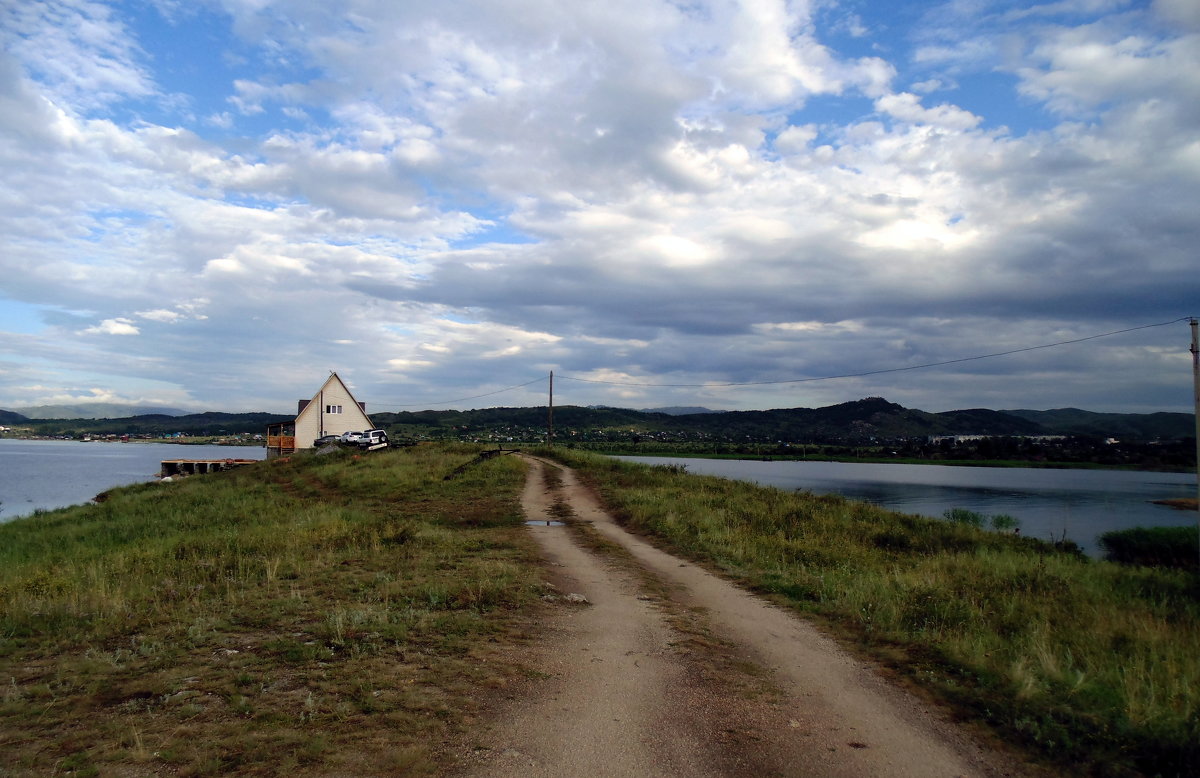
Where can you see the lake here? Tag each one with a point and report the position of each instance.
(1083, 504)
(47, 474)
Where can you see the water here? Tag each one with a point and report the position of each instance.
(47, 474)
(1082, 504)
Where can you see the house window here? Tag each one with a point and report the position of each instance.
(333, 409)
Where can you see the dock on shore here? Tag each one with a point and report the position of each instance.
(174, 467)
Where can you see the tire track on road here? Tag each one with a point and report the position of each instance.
(628, 693)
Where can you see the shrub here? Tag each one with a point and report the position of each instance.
(964, 516)
(1002, 522)
(1153, 546)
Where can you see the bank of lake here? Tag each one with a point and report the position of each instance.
(40, 475)
(1049, 503)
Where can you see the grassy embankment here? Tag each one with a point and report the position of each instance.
(1158, 546)
(324, 615)
(1090, 664)
(872, 460)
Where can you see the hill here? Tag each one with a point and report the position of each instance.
(158, 424)
(1143, 426)
(870, 420)
(10, 417)
(96, 411)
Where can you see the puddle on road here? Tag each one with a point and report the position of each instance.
(544, 523)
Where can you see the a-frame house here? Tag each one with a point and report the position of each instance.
(331, 411)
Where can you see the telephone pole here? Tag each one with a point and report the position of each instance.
(1196, 408)
(550, 413)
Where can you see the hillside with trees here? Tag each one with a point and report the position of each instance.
(871, 427)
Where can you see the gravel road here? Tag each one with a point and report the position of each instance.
(671, 670)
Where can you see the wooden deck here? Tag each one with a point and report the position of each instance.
(280, 445)
(173, 467)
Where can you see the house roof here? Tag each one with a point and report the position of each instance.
(333, 376)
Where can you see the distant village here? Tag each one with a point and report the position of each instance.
(233, 439)
(869, 428)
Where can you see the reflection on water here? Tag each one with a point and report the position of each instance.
(47, 474)
(1082, 504)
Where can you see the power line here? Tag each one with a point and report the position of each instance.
(887, 370)
(806, 380)
(473, 397)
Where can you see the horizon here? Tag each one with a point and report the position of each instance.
(182, 412)
(746, 205)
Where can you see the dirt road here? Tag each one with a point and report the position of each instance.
(670, 670)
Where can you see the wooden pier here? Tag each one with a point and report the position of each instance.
(174, 467)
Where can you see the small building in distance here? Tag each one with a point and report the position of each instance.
(331, 411)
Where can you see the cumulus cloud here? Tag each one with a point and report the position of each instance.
(118, 326)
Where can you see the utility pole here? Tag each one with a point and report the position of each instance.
(550, 412)
(1196, 408)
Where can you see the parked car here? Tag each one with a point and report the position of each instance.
(372, 438)
(326, 440)
(351, 437)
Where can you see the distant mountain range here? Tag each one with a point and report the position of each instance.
(670, 410)
(870, 419)
(860, 421)
(210, 423)
(1072, 421)
(95, 411)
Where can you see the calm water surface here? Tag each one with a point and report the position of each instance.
(46, 474)
(1081, 503)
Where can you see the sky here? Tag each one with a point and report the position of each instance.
(211, 204)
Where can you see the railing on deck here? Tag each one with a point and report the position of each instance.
(282, 442)
(280, 445)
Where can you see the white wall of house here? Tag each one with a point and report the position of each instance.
(332, 411)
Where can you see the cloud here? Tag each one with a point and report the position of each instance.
(79, 51)
(161, 315)
(113, 327)
(1087, 67)
(1182, 12)
(445, 201)
(907, 107)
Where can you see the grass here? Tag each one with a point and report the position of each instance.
(1158, 546)
(332, 614)
(341, 614)
(1090, 664)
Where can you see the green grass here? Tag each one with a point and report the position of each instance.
(1159, 546)
(1093, 665)
(341, 614)
(324, 614)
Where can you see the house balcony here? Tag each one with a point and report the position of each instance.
(281, 440)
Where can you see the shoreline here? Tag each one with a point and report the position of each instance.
(985, 463)
(1181, 504)
(209, 440)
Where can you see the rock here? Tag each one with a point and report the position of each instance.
(577, 599)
